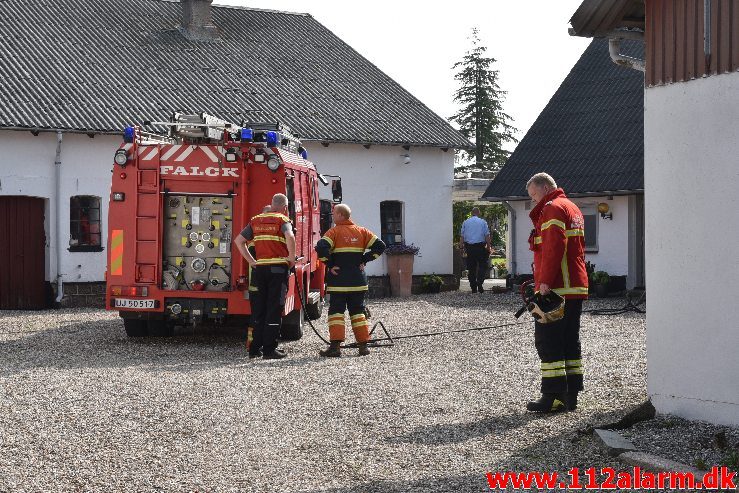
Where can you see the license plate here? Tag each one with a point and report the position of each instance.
(135, 304)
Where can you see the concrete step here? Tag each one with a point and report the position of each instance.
(464, 284)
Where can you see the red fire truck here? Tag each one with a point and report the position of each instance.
(176, 202)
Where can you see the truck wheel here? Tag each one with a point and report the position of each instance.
(135, 328)
(292, 326)
(313, 311)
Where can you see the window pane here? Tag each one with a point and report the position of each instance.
(84, 223)
(591, 231)
(391, 220)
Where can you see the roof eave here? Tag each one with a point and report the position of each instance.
(599, 18)
(515, 198)
(439, 145)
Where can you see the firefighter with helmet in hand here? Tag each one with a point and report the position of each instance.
(558, 243)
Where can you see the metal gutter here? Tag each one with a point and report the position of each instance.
(514, 198)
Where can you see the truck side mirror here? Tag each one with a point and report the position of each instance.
(336, 190)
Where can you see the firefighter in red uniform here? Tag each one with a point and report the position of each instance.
(345, 249)
(274, 243)
(558, 243)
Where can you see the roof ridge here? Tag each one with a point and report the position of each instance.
(239, 7)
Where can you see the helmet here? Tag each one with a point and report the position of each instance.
(547, 308)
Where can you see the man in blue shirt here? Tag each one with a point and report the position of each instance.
(474, 241)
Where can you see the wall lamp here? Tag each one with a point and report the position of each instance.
(605, 211)
(406, 158)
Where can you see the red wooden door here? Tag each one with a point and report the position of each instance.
(22, 253)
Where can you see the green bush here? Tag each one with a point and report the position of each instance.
(601, 277)
(431, 280)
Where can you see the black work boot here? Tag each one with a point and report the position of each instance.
(363, 349)
(276, 354)
(548, 403)
(333, 351)
(572, 400)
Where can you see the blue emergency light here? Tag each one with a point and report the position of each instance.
(247, 134)
(272, 138)
(128, 135)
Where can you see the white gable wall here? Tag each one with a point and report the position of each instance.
(370, 176)
(613, 236)
(692, 247)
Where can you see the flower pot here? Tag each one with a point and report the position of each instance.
(400, 271)
(601, 290)
(432, 288)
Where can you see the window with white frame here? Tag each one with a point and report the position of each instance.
(590, 214)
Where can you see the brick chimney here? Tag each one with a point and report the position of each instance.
(197, 22)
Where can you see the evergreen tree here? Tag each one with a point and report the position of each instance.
(481, 118)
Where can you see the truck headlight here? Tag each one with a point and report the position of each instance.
(273, 163)
(120, 158)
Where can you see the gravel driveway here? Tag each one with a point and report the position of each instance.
(84, 408)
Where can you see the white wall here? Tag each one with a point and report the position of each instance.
(692, 246)
(370, 176)
(27, 168)
(613, 236)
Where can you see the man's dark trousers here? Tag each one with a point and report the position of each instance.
(477, 264)
(271, 281)
(558, 346)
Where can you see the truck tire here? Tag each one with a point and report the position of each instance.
(313, 311)
(135, 328)
(292, 326)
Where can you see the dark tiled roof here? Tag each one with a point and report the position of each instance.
(97, 66)
(590, 136)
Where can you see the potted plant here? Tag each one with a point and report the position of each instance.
(601, 279)
(431, 283)
(400, 267)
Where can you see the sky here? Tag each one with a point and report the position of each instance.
(417, 43)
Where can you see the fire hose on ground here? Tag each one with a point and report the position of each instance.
(389, 341)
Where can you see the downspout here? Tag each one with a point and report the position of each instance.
(614, 48)
(707, 48)
(57, 217)
(512, 231)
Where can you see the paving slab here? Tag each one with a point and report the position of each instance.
(613, 442)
